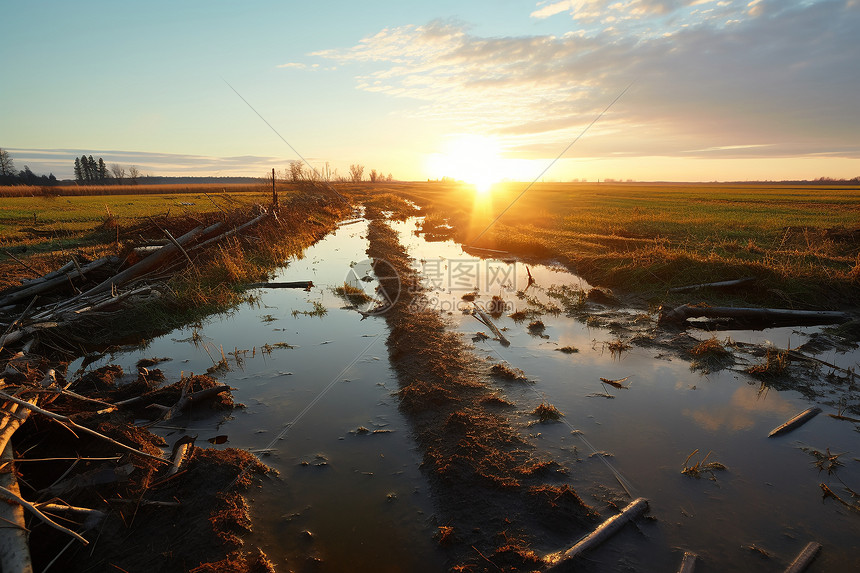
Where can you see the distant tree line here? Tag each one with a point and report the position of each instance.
(92, 172)
(11, 176)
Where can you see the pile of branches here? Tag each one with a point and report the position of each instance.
(83, 290)
(97, 474)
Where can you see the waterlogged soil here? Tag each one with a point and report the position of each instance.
(354, 410)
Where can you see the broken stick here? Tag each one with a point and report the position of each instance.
(802, 561)
(795, 422)
(72, 423)
(606, 530)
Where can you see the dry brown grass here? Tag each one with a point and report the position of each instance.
(547, 412)
(775, 364)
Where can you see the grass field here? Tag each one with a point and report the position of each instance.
(40, 234)
(802, 242)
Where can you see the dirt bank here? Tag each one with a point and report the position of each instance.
(501, 502)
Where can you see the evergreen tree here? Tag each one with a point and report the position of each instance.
(79, 174)
(102, 168)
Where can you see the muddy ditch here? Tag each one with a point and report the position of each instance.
(411, 439)
(496, 491)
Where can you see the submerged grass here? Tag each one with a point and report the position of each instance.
(478, 463)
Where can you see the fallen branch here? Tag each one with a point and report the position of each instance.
(795, 422)
(769, 316)
(231, 232)
(720, 284)
(93, 516)
(26, 504)
(181, 450)
(290, 284)
(158, 258)
(22, 263)
(483, 318)
(41, 287)
(606, 530)
(688, 562)
(72, 423)
(185, 400)
(802, 561)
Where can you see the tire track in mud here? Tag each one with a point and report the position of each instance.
(500, 501)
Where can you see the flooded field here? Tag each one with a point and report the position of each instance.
(321, 409)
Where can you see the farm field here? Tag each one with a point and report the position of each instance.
(390, 413)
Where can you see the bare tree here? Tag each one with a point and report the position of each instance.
(118, 172)
(7, 167)
(355, 172)
(133, 174)
(296, 171)
(390, 178)
(374, 176)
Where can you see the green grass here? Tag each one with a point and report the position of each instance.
(801, 241)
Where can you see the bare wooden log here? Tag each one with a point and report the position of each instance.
(482, 316)
(59, 272)
(718, 285)
(606, 530)
(14, 549)
(45, 286)
(688, 563)
(158, 258)
(804, 559)
(72, 423)
(795, 422)
(288, 284)
(231, 232)
(782, 316)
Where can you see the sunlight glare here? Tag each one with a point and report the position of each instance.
(473, 159)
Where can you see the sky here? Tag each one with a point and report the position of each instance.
(649, 90)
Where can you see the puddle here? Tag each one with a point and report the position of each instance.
(356, 500)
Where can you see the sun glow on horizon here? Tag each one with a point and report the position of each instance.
(473, 159)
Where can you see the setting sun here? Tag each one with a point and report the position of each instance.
(473, 159)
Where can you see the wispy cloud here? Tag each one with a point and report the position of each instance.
(780, 72)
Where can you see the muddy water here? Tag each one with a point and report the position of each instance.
(346, 499)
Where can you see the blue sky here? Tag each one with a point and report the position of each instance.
(721, 89)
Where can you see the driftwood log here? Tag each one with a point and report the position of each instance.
(763, 316)
(688, 563)
(795, 422)
(606, 530)
(484, 319)
(46, 285)
(288, 284)
(803, 560)
(717, 285)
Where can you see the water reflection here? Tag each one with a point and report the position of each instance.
(350, 500)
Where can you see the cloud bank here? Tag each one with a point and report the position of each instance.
(765, 78)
